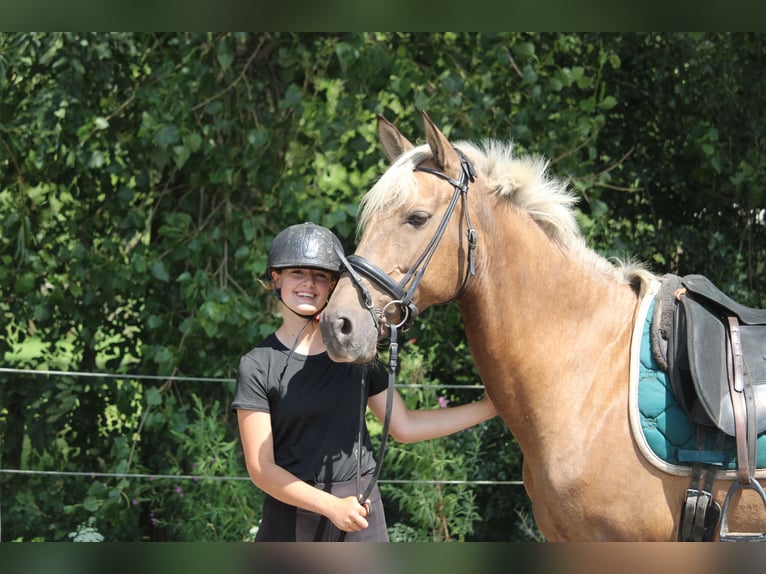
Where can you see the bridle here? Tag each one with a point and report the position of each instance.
(403, 293)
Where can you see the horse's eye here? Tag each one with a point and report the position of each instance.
(418, 218)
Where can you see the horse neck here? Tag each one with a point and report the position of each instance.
(534, 315)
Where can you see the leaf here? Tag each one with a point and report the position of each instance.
(181, 154)
(224, 59)
(160, 271)
(608, 103)
(292, 97)
(524, 49)
(258, 137)
(193, 141)
(166, 136)
(153, 396)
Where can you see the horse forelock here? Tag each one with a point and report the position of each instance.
(394, 188)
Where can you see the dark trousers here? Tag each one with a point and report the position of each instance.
(282, 522)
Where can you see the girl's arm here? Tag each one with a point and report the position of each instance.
(420, 424)
(258, 446)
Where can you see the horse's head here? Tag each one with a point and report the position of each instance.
(416, 248)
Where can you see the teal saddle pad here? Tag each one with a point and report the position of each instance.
(667, 430)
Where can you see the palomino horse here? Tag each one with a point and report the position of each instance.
(549, 323)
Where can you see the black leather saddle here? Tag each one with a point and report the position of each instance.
(702, 353)
(714, 351)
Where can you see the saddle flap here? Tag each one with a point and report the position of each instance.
(707, 348)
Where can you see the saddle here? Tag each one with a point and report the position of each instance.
(714, 351)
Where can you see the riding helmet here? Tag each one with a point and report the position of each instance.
(306, 245)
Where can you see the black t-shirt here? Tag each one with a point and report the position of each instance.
(314, 405)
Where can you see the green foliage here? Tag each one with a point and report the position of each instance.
(452, 512)
(143, 175)
(202, 509)
(430, 512)
(689, 122)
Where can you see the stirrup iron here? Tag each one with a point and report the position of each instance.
(725, 534)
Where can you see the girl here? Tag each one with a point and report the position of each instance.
(298, 411)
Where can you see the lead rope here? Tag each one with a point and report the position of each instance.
(393, 362)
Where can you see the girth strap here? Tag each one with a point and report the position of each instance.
(700, 512)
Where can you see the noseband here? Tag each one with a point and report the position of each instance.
(403, 291)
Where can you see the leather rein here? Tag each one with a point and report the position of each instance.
(403, 293)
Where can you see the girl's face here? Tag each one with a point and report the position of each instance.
(304, 290)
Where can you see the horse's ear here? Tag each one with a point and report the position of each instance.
(393, 142)
(444, 154)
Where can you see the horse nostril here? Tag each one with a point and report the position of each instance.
(345, 325)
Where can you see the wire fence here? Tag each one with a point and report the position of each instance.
(196, 478)
(182, 378)
(93, 475)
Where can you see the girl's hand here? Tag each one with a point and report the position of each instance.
(349, 515)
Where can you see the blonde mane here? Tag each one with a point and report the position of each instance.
(524, 181)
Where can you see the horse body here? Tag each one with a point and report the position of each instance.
(549, 324)
(560, 385)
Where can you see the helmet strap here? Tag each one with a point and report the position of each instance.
(309, 317)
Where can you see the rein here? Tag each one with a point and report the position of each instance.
(403, 295)
(393, 363)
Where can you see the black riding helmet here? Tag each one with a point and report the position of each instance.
(305, 245)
